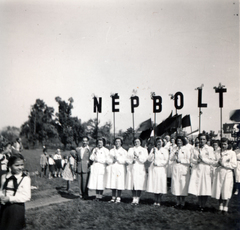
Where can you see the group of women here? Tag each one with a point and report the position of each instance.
(199, 170)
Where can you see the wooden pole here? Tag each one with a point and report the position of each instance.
(114, 125)
(200, 113)
(133, 125)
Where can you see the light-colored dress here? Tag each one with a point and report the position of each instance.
(223, 180)
(201, 177)
(170, 162)
(97, 178)
(136, 173)
(180, 171)
(217, 153)
(157, 172)
(67, 173)
(237, 169)
(117, 171)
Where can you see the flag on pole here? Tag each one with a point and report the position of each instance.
(174, 123)
(160, 129)
(145, 125)
(145, 134)
(186, 121)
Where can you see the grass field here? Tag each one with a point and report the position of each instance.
(88, 214)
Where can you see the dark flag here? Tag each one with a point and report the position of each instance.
(145, 134)
(235, 115)
(174, 123)
(145, 125)
(186, 121)
(160, 129)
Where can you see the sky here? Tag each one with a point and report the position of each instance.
(78, 49)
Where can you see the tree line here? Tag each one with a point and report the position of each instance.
(44, 126)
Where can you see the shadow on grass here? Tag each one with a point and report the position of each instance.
(66, 194)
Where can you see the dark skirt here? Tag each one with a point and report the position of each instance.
(12, 216)
(58, 164)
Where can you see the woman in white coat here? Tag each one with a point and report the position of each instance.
(202, 159)
(237, 170)
(117, 171)
(136, 173)
(99, 156)
(157, 172)
(180, 172)
(223, 180)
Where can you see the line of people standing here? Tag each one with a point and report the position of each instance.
(198, 170)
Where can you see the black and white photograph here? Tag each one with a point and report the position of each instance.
(119, 114)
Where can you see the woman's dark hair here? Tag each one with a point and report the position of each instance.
(137, 138)
(224, 139)
(118, 138)
(101, 139)
(215, 141)
(14, 157)
(161, 139)
(182, 139)
(203, 134)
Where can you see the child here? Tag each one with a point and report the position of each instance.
(44, 162)
(58, 163)
(15, 191)
(51, 164)
(68, 172)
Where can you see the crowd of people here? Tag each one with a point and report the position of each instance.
(203, 169)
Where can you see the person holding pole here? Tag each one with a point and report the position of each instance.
(136, 178)
(157, 173)
(99, 157)
(117, 172)
(223, 180)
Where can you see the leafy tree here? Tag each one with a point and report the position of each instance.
(40, 125)
(79, 130)
(64, 122)
(10, 133)
(128, 136)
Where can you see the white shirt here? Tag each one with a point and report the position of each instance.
(23, 193)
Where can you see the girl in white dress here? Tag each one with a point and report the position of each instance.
(157, 172)
(99, 157)
(117, 173)
(136, 173)
(202, 160)
(180, 172)
(223, 180)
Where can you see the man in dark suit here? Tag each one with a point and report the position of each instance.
(83, 164)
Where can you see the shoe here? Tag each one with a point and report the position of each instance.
(118, 200)
(134, 201)
(236, 193)
(112, 201)
(155, 204)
